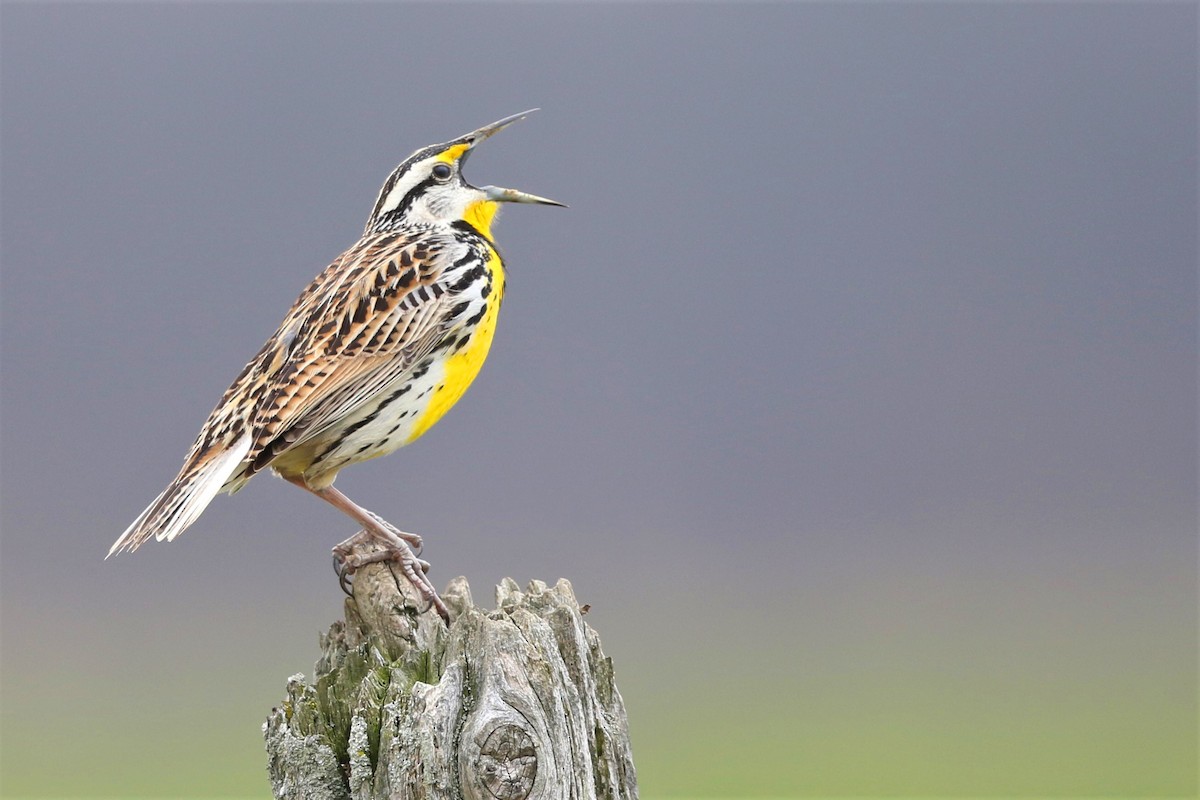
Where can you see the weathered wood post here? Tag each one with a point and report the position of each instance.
(508, 704)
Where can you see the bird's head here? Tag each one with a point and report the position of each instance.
(429, 187)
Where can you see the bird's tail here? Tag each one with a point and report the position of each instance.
(183, 501)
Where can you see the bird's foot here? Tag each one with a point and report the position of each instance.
(414, 541)
(346, 561)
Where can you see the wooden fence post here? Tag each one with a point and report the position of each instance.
(509, 704)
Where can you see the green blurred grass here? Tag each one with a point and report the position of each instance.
(766, 730)
(725, 745)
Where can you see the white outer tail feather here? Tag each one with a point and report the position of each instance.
(183, 501)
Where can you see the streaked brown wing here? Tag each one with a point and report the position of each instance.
(363, 324)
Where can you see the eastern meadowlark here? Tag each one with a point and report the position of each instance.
(372, 354)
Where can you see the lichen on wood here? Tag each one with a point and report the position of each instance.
(515, 703)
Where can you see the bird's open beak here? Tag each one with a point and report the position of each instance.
(499, 194)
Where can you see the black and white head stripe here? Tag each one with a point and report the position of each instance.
(407, 182)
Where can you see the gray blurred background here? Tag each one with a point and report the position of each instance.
(856, 391)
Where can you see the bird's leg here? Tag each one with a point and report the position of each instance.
(395, 546)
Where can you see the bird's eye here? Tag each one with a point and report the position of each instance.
(442, 171)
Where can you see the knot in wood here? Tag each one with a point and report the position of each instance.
(507, 763)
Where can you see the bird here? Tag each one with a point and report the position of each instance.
(372, 354)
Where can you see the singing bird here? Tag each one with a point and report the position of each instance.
(374, 351)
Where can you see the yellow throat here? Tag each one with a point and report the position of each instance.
(461, 368)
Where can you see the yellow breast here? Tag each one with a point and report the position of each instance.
(460, 368)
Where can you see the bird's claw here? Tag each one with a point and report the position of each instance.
(343, 569)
